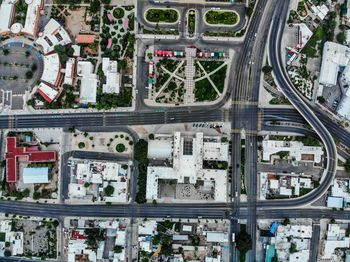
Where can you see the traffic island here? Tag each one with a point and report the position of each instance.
(161, 15)
(221, 18)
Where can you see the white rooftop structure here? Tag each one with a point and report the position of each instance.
(70, 71)
(335, 239)
(300, 182)
(148, 227)
(103, 174)
(336, 202)
(219, 237)
(79, 247)
(187, 164)
(16, 242)
(300, 256)
(304, 35)
(47, 92)
(52, 67)
(32, 17)
(89, 82)
(334, 56)
(296, 149)
(320, 11)
(340, 188)
(53, 34)
(7, 10)
(113, 79)
(160, 149)
(35, 175)
(76, 190)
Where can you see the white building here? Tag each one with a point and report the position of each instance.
(32, 17)
(69, 75)
(187, 154)
(89, 82)
(335, 239)
(53, 34)
(299, 235)
(320, 11)
(101, 174)
(295, 149)
(113, 79)
(334, 56)
(52, 70)
(47, 92)
(7, 13)
(304, 35)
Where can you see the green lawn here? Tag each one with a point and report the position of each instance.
(319, 37)
(221, 17)
(204, 91)
(219, 77)
(162, 15)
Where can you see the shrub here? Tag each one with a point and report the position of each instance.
(120, 148)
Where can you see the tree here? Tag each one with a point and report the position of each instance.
(341, 37)
(118, 249)
(244, 242)
(293, 248)
(286, 221)
(266, 69)
(120, 148)
(151, 136)
(36, 195)
(5, 51)
(7, 253)
(347, 165)
(29, 74)
(109, 190)
(321, 99)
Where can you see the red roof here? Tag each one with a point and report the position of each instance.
(46, 97)
(85, 39)
(31, 154)
(76, 235)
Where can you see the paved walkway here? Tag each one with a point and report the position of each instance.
(190, 71)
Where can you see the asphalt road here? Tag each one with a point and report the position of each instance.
(275, 54)
(315, 241)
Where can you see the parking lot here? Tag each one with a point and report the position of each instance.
(21, 58)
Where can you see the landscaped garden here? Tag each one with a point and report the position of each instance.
(204, 91)
(191, 22)
(214, 17)
(160, 15)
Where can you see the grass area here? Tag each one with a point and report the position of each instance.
(162, 15)
(204, 91)
(279, 101)
(308, 140)
(304, 191)
(319, 37)
(219, 78)
(221, 17)
(169, 64)
(210, 65)
(191, 22)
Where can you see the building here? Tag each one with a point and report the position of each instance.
(47, 92)
(320, 11)
(184, 160)
(335, 202)
(32, 17)
(341, 189)
(89, 82)
(304, 35)
(100, 174)
(7, 14)
(70, 71)
(297, 235)
(52, 70)
(28, 154)
(295, 149)
(335, 239)
(53, 34)
(113, 79)
(35, 175)
(335, 56)
(280, 184)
